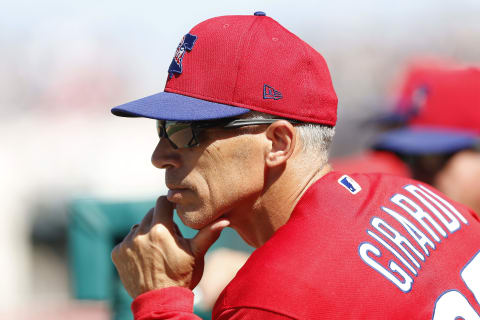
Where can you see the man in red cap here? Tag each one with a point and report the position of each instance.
(434, 131)
(245, 123)
(439, 131)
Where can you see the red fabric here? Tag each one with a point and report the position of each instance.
(234, 57)
(372, 162)
(312, 267)
(169, 303)
(176, 303)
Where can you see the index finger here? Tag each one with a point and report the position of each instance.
(163, 213)
(143, 227)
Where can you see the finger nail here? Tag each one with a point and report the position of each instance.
(222, 224)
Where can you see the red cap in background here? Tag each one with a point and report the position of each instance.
(440, 108)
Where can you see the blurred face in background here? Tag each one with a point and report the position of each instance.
(426, 167)
(460, 179)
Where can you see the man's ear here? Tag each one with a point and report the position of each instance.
(282, 136)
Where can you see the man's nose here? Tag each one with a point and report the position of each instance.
(165, 155)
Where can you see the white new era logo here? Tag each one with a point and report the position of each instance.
(349, 184)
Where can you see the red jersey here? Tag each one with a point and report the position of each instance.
(358, 246)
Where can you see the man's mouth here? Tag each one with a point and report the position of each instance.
(176, 194)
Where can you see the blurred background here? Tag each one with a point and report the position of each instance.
(65, 64)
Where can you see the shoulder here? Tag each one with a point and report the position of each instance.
(355, 188)
(339, 246)
(267, 281)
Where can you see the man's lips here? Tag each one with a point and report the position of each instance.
(175, 194)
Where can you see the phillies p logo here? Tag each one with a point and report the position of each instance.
(186, 44)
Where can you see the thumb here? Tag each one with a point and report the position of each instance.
(204, 239)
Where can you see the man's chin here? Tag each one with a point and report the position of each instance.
(195, 219)
(190, 218)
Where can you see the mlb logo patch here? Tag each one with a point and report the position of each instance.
(349, 184)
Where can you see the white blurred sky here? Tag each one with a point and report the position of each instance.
(136, 39)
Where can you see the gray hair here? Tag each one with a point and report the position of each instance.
(316, 138)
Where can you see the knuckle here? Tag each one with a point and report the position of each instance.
(115, 253)
(159, 232)
(137, 241)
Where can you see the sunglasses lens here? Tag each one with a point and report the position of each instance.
(179, 133)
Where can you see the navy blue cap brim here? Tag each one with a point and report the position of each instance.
(177, 107)
(425, 140)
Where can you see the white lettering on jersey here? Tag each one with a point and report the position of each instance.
(452, 225)
(416, 234)
(395, 236)
(437, 207)
(471, 276)
(392, 250)
(405, 285)
(452, 304)
(419, 214)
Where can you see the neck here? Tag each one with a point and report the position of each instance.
(274, 206)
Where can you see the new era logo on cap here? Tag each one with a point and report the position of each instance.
(270, 93)
(349, 184)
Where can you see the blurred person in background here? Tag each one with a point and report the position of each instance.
(460, 178)
(417, 74)
(433, 132)
(245, 124)
(439, 133)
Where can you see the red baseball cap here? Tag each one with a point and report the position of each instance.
(410, 88)
(445, 120)
(227, 66)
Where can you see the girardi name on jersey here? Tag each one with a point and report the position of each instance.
(430, 235)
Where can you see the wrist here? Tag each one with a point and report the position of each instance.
(177, 299)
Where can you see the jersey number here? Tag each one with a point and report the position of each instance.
(452, 305)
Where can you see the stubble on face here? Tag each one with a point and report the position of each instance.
(220, 180)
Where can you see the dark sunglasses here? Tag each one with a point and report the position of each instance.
(185, 134)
